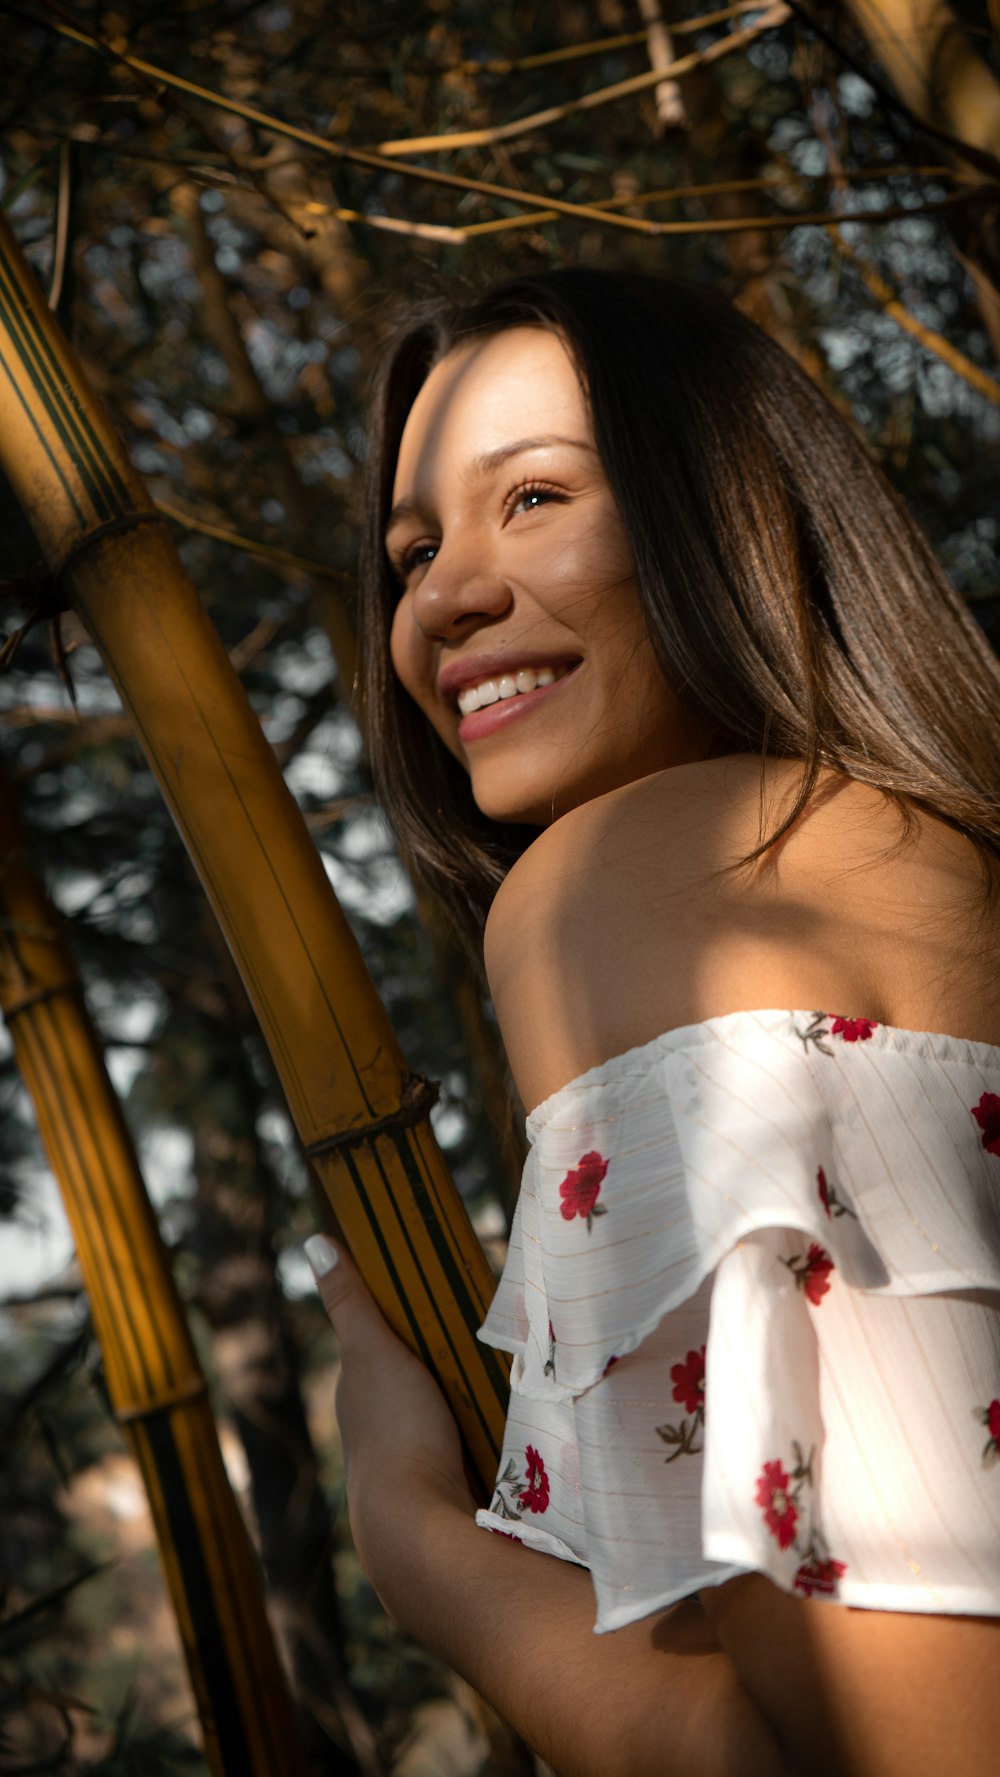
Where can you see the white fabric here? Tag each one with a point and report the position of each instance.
(848, 1444)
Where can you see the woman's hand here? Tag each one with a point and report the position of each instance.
(402, 1452)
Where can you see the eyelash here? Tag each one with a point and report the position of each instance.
(525, 490)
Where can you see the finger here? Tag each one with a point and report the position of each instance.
(344, 1294)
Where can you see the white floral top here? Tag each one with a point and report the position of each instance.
(753, 1293)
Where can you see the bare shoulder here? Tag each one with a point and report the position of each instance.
(634, 914)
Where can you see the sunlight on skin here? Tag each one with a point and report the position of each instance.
(510, 557)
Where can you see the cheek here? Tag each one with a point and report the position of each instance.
(408, 652)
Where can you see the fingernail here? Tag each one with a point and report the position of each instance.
(322, 1255)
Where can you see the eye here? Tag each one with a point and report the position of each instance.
(528, 496)
(417, 556)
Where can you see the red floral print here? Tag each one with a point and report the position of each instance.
(990, 1417)
(688, 1379)
(987, 1115)
(824, 1191)
(514, 1494)
(819, 1576)
(853, 1030)
(775, 1498)
(580, 1187)
(535, 1495)
(812, 1274)
(832, 1204)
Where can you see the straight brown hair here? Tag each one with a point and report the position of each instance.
(788, 594)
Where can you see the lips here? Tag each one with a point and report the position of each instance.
(480, 724)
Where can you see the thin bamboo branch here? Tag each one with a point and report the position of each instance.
(597, 46)
(283, 558)
(892, 304)
(157, 76)
(968, 198)
(670, 112)
(361, 1116)
(775, 15)
(154, 1381)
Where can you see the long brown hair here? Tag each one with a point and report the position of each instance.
(787, 592)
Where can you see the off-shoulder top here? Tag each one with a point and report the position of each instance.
(753, 1296)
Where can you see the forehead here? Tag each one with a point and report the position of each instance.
(485, 396)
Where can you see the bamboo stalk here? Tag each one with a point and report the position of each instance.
(891, 303)
(362, 1117)
(156, 1388)
(768, 20)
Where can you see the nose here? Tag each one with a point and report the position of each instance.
(459, 593)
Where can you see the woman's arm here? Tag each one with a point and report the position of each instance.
(656, 1699)
(751, 1683)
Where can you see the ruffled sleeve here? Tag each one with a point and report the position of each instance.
(752, 1294)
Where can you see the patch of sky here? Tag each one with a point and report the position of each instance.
(166, 1159)
(170, 429)
(325, 461)
(808, 157)
(381, 894)
(37, 1245)
(843, 346)
(970, 555)
(277, 1135)
(197, 423)
(304, 665)
(855, 94)
(449, 1123)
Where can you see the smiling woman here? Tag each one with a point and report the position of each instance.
(672, 708)
(513, 559)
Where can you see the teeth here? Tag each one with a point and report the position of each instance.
(478, 697)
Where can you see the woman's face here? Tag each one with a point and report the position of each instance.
(518, 631)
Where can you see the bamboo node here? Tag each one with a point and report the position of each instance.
(14, 1008)
(192, 1390)
(415, 1102)
(112, 527)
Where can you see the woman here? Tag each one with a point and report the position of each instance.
(662, 680)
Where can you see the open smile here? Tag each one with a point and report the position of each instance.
(507, 706)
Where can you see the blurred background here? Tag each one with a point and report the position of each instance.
(225, 203)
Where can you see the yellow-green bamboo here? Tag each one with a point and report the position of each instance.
(156, 1387)
(361, 1116)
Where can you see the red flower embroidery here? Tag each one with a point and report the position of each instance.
(829, 1199)
(774, 1497)
(812, 1273)
(689, 1381)
(987, 1115)
(580, 1187)
(853, 1030)
(990, 1417)
(535, 1495)
(819, 1576)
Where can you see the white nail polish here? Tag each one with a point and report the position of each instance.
(321, 1255)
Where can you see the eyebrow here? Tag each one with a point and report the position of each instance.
(412, 505)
